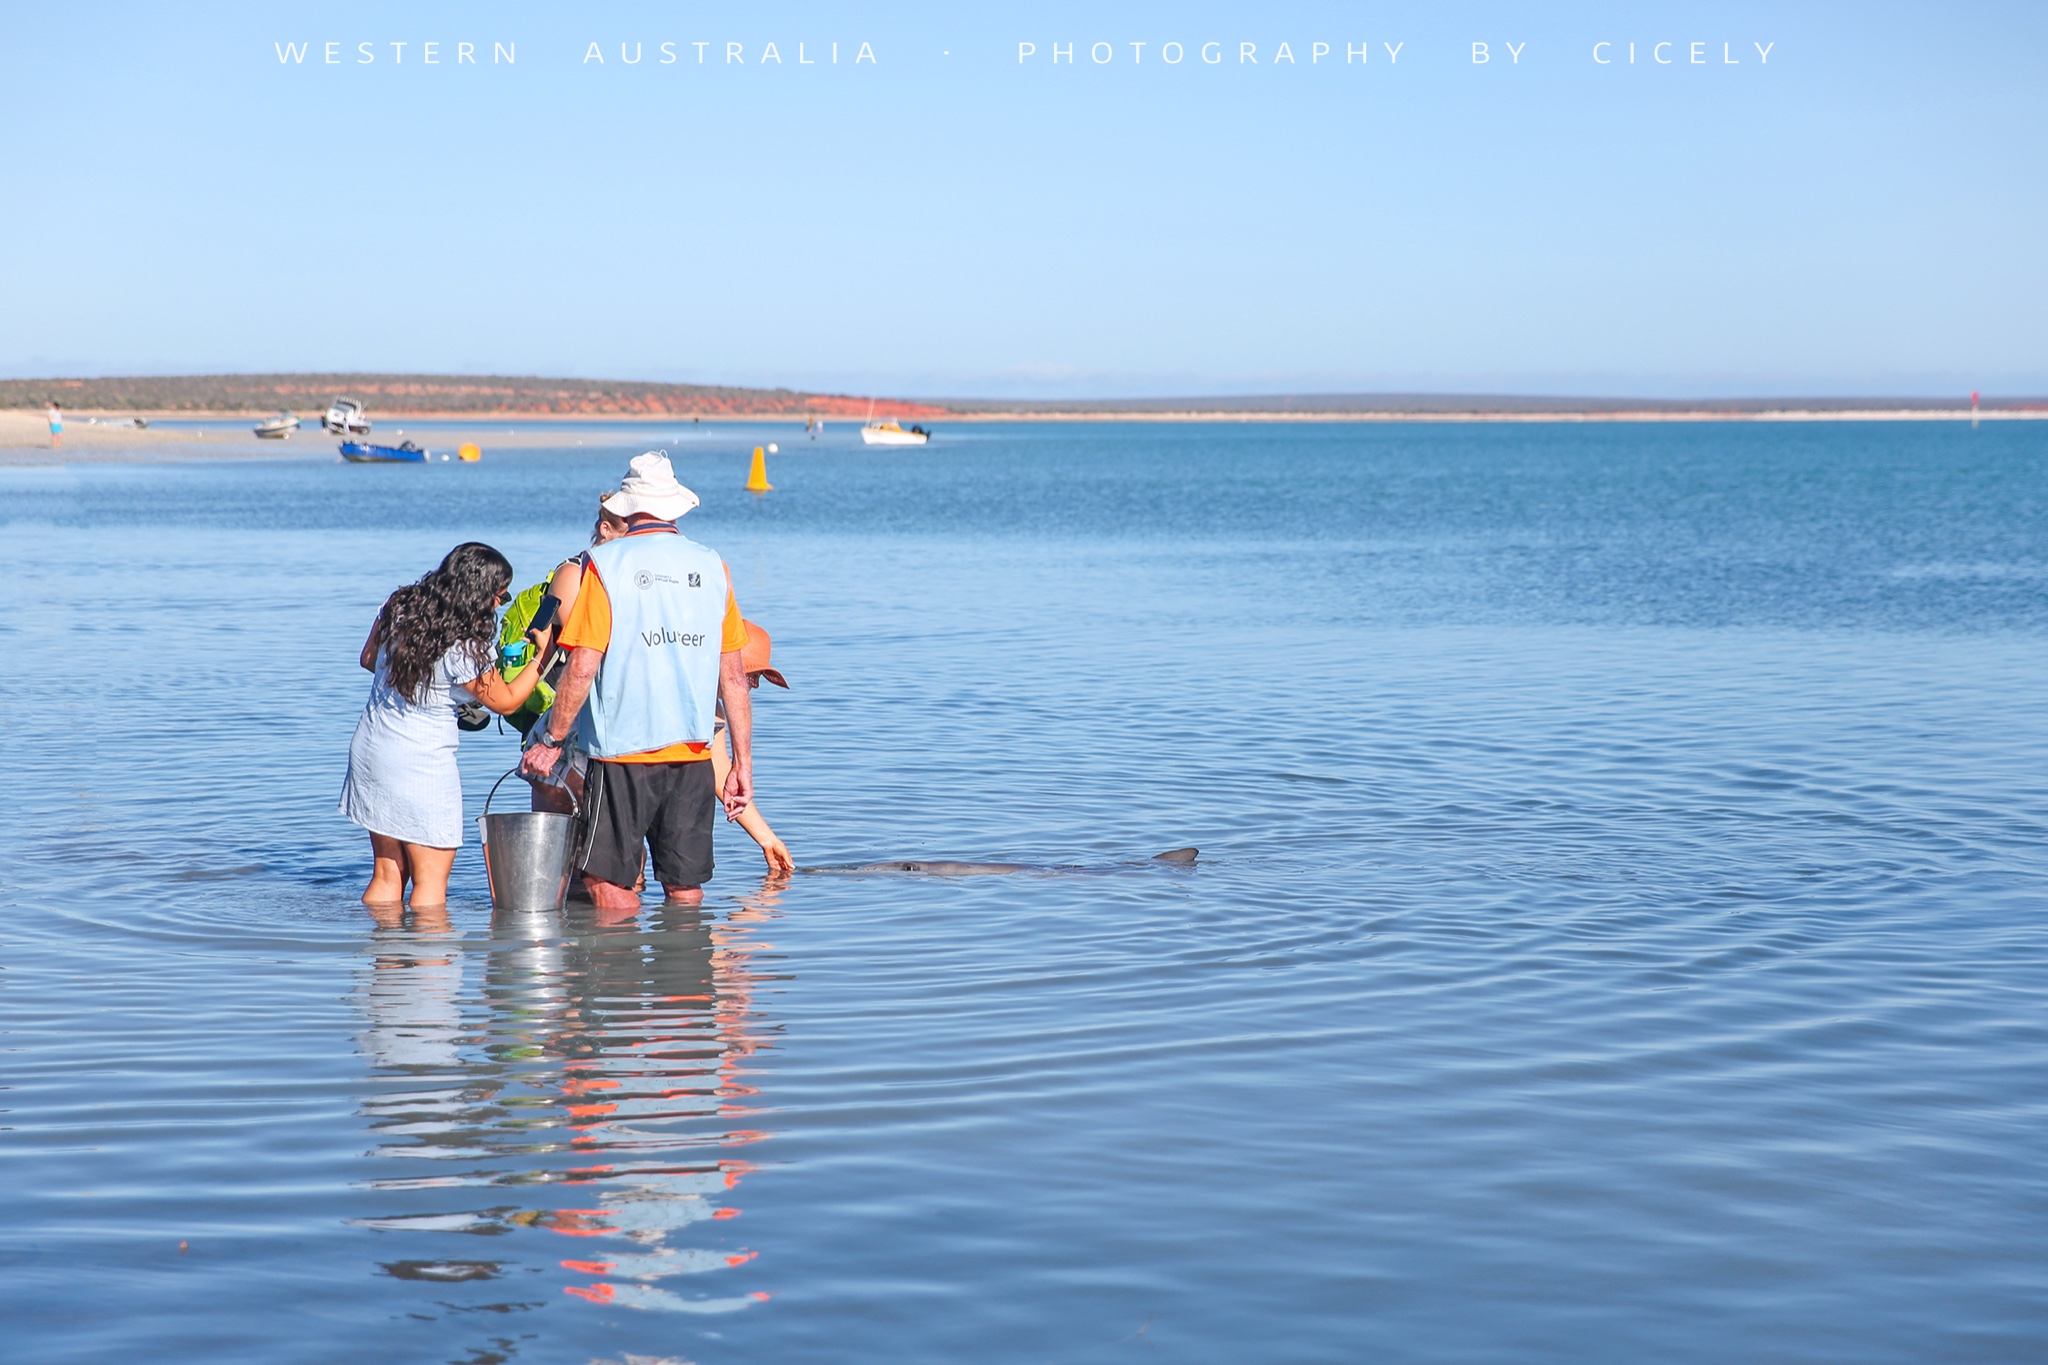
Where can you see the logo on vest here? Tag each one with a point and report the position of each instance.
(643, 580)
(665, 636)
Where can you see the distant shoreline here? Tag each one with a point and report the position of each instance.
(538, 400)
(391, 416)
(24, 438)
(1557, 415)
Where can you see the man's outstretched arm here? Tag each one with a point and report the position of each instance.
(739, 723)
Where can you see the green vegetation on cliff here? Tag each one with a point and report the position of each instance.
(398, 394)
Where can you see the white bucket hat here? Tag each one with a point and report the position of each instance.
(650, 487)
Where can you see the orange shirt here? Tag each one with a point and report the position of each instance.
(590, 627)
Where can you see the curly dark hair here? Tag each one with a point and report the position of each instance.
(455, 605)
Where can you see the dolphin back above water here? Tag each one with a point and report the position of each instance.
(928, 867)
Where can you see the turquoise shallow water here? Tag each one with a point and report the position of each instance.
(1618, 933)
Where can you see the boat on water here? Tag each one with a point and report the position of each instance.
(345, 417)
(362, 452)
(278, 428)
(890, 434)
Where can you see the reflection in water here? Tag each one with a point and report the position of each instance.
(597, 1069)
(412, 998)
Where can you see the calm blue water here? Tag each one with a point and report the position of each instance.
(1618, 934)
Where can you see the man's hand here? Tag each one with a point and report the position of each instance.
(540, 760)
(739, 727)
(739, 790)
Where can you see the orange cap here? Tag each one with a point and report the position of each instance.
(754, 658)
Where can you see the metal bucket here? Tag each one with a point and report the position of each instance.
(529, 855)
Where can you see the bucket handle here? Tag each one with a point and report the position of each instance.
(575, 806)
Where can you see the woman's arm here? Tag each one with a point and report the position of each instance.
(505, 697)
(773, 850)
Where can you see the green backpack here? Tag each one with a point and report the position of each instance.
(519, 613)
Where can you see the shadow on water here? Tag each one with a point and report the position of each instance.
(575, 1093)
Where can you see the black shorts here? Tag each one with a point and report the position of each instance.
(667, 805)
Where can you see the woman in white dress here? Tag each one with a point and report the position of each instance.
(431, 650)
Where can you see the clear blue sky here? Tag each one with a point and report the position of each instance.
(1864, 213)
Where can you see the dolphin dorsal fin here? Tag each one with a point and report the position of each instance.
(1176, 855)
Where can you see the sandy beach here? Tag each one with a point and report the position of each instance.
(25, 439)
(114, 437)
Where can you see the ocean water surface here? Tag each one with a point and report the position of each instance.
(1618, 933)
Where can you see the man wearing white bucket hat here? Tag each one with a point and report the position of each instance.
(655, 640)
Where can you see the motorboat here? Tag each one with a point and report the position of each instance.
(278, 428)
(362, 452)
(345, 417)
(890, 434)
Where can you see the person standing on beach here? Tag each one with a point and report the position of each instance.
(656, 643)
(55, 415)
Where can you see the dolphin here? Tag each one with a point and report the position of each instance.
(928, 867)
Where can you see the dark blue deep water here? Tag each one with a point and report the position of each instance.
(1618, 934)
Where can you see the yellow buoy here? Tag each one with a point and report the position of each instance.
(469, 452)
(757, 477)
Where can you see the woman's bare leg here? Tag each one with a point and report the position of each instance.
(388, 872)
(430, 868)
(431, 919)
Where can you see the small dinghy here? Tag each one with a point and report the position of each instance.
(362, 452)
(278, 428)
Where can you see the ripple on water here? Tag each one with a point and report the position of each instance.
(1617, 934)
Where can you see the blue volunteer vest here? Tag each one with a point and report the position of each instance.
(660, 675)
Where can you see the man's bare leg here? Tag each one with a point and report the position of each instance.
(682, 895)
(611, 901)
(388, 872)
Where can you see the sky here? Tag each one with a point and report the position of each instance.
(1816, 199)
